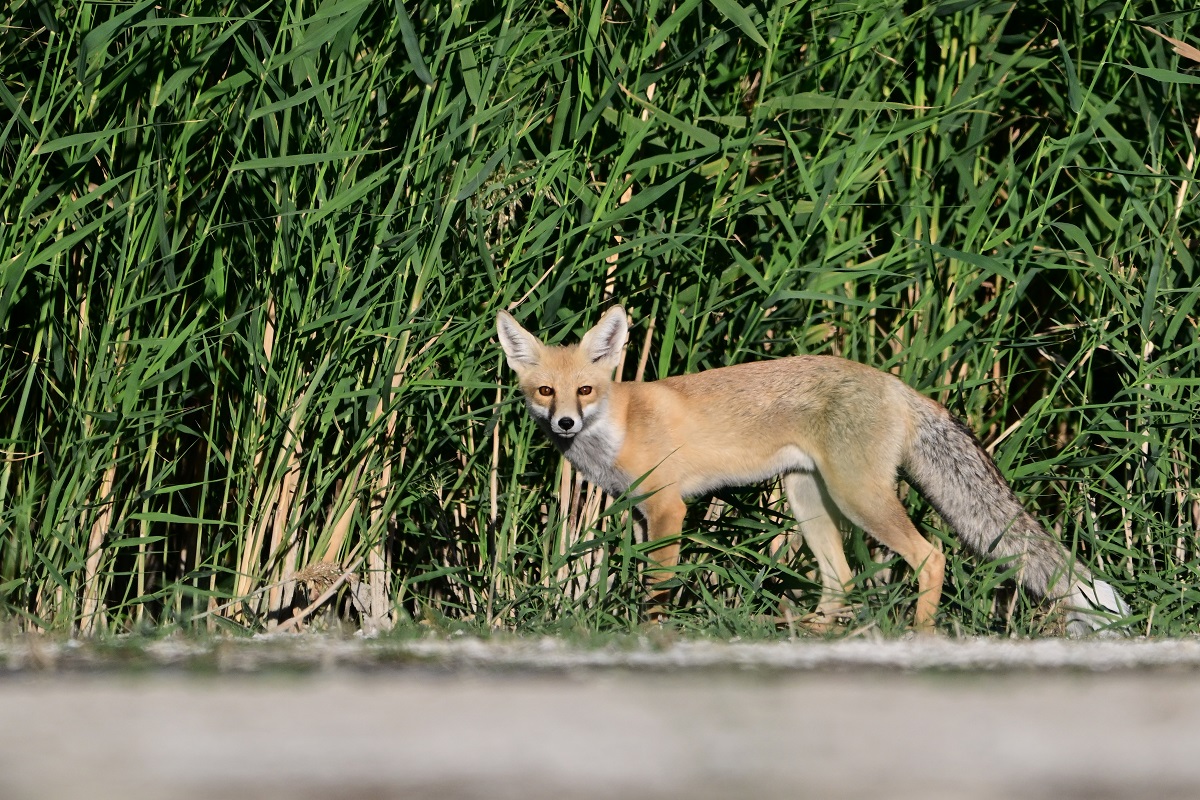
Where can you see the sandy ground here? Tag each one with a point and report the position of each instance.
(436, 719)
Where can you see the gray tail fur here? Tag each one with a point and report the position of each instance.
(958, 477)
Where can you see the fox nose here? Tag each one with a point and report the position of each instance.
(566, 423)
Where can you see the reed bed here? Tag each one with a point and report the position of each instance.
(250, 257)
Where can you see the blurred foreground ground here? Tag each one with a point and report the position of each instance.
(309, 718)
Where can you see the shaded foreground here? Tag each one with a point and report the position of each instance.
(448, 721)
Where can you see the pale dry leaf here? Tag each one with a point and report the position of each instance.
(1182, 48)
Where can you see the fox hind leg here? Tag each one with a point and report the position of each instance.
(877, 510)
(820, 531)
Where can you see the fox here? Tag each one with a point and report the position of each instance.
(838, 433)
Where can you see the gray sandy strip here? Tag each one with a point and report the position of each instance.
(314, 651)
(312, 716)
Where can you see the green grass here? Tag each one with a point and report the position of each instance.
(250, 256)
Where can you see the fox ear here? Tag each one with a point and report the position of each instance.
(603, 344)
(520, 346)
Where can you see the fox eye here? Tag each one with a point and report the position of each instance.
(545, 391)
(585, 390)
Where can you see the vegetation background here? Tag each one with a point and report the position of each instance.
(251, 254)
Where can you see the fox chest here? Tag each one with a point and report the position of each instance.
(594, 453)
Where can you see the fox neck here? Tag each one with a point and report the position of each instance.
(593, 451)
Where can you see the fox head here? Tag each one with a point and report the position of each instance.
(565, 387)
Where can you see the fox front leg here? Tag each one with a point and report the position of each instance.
(664, 514)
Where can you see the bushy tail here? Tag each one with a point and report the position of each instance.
(959, 478)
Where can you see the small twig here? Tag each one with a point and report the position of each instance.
(240, 599)
(537, 283)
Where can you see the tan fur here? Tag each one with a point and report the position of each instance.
(837, 431)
